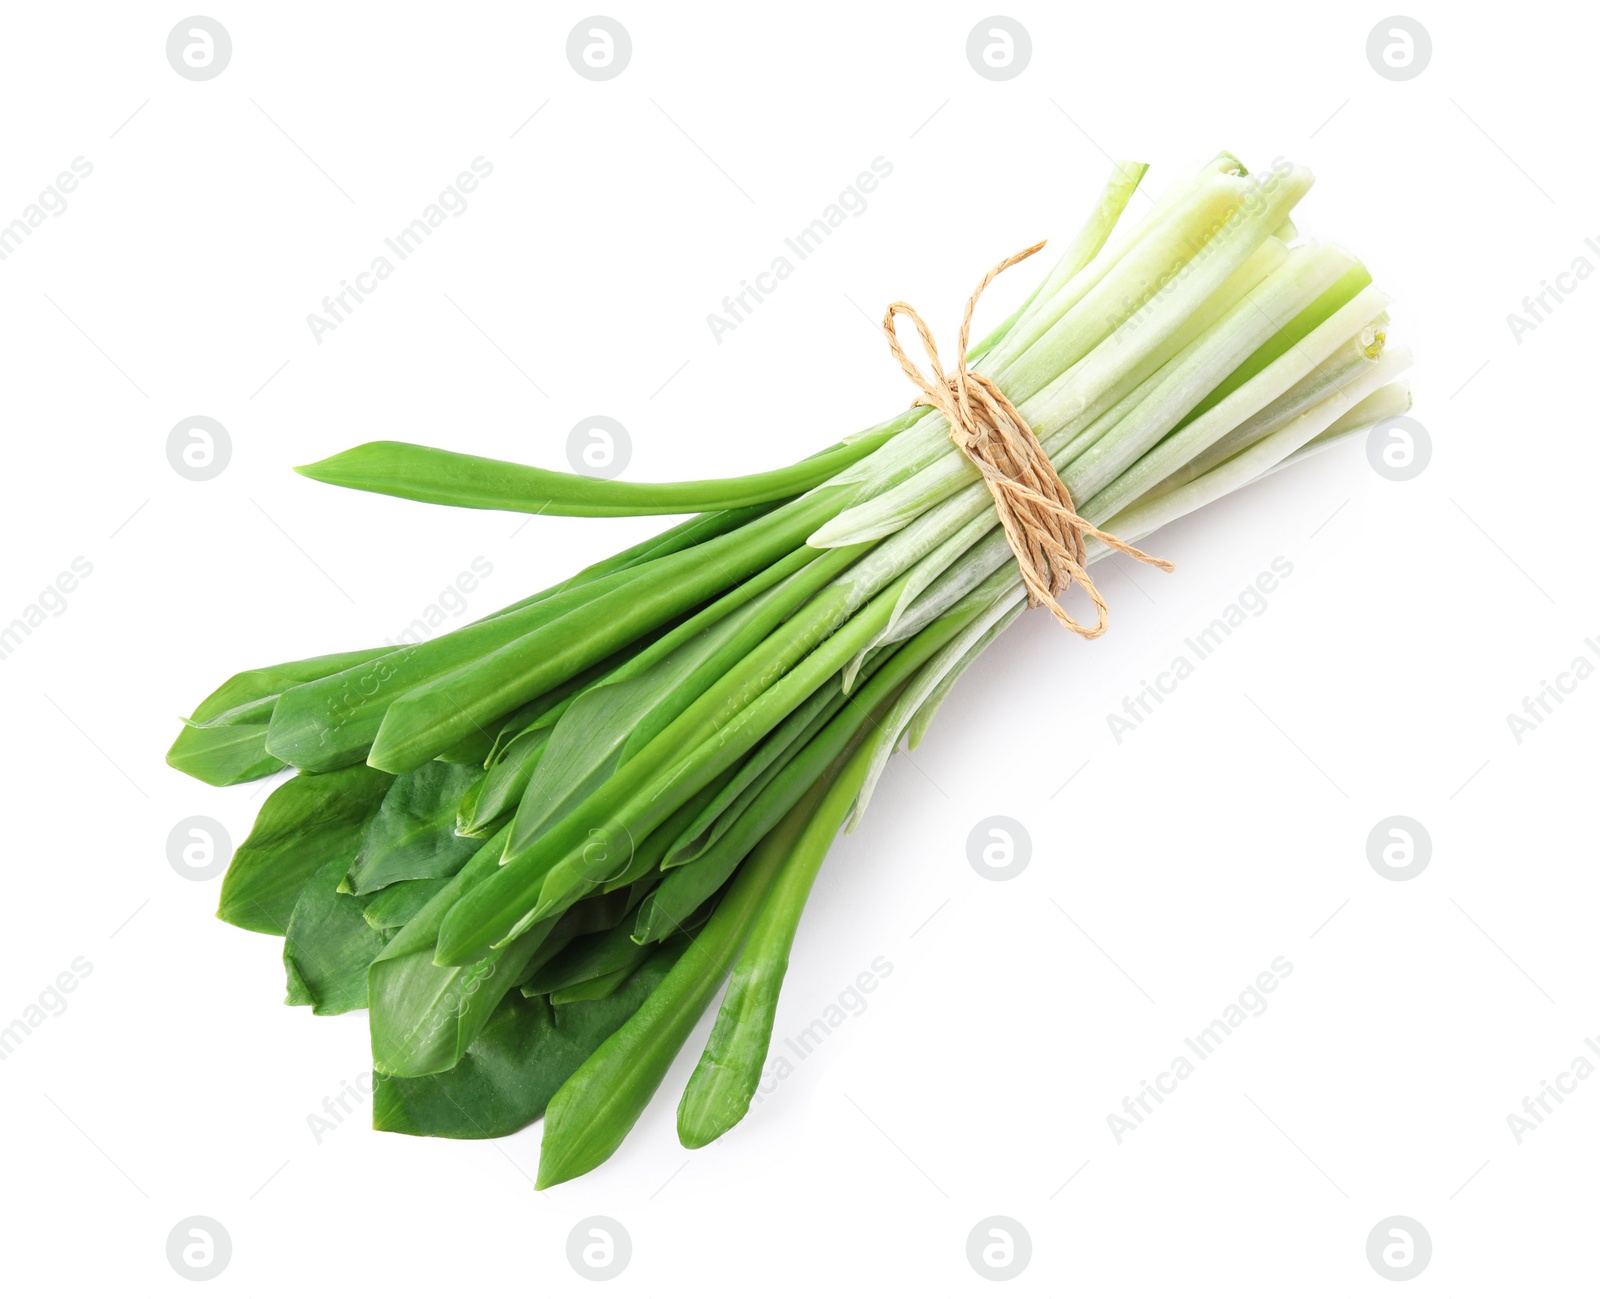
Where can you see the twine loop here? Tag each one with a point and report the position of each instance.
(1044, 529)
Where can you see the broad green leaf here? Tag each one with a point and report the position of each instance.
(224, 741)
(333, 720)
(298, 994)
(583, 749)
(507, 1077)
(584, 959)
(250, 695)
(612, 721)
(425, 1016)
(329, 946)
(392, 907)
(413, 836)
(596, 1107)
(725, 1081)
(592, 915)
(223, 755)
(756, 773)
(501, 788)
(306, 823)
(597, 988)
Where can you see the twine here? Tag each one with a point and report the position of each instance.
(1044, 528)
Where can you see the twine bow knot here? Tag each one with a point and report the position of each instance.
(1044, 529)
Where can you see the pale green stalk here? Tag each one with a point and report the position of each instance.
(1144, 517)
(1349, 411)
(1138, 381)
(1081, 390)
(885, 739)
(1356, 354)
(1182, 384)
(923, 718)
(953, 527)
(1145, 334)
(1053, 343)
(993, 553)
(1388, 401)
(1092, 305)
(1087, 245)
(1175, 451)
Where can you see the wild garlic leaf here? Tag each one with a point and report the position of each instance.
(305, 823)
(398, 904)
(329, 945)
(525, 1053)
(425, 1016)
(413, 836)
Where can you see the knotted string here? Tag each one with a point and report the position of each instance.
(1044, 529)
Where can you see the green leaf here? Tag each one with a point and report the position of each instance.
(223, 755)
(725, 1081)
(331, 721)
(610, 722)
(597, 1107)
(425, 1016)
(306, 823)
(507, 1077)
(329, 946)
(397, 905)
(756, 773)
(249, 695)
(597, 988)
(413, 836)
(429, 714)
(224, 741)
(298, 994)
(419, 473)
(595, 955)
(502, 786)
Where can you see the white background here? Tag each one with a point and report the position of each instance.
(1228, 830)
